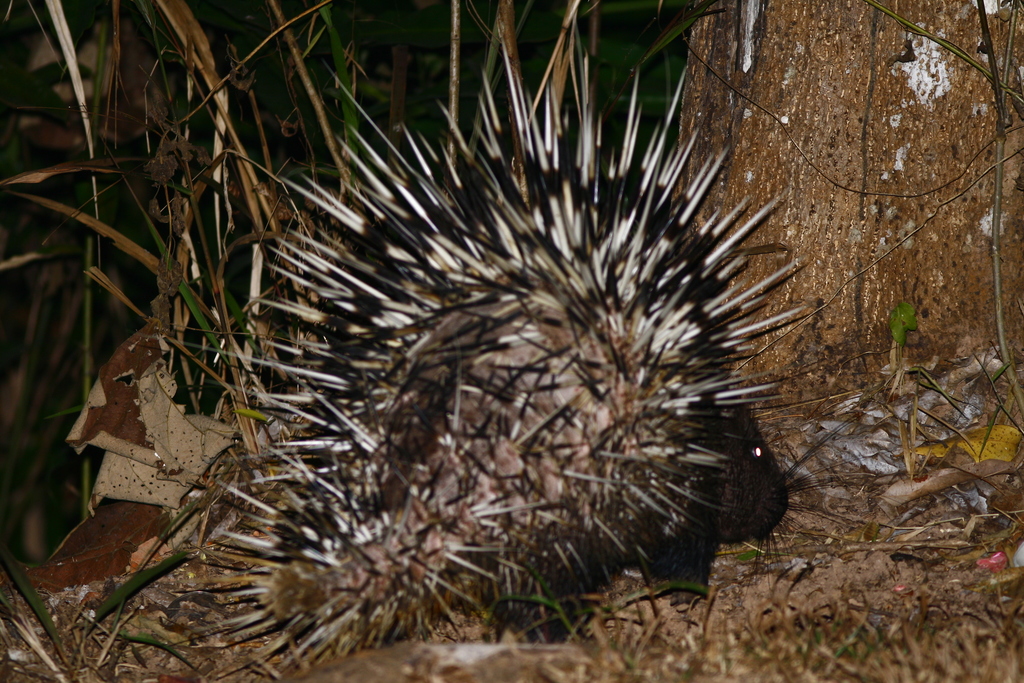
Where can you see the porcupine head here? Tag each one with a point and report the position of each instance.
(511, 392)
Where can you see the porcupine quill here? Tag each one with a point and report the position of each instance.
(509, 398)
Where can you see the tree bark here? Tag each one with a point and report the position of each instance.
(879, 144)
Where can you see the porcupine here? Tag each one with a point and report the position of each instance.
(511, 392)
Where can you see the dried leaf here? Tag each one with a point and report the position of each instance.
(40, 174)
(100, 547)
(155, 453)
(120, 241)
(905, 491)
(999, 442)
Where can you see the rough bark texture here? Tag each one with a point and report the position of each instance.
(881, 156)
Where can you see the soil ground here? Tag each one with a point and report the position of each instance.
(841, 593)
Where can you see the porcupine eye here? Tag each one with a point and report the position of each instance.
(754, 494)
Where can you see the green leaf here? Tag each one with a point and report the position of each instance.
(338, 55)
(81, 16)
(902, 319)
(24, 89)
(145, 8)
(252, 414)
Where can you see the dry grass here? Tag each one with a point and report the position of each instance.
(832, 612)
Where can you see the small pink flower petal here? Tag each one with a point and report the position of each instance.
(995, 563)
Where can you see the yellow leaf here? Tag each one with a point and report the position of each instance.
(999, 442)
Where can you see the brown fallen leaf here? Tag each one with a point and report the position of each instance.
(101, 546)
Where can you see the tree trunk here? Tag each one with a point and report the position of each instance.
(879, 145)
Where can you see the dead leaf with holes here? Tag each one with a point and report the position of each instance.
(155, 453)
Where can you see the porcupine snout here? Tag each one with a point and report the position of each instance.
(747, 499)
(755, 496)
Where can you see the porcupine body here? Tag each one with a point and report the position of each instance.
(511, 393)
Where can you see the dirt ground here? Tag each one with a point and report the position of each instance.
(864, 581)
(823, 605)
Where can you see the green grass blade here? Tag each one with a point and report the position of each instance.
(138, 581)
(28, 591)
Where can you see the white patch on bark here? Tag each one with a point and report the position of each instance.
(928, 74)
(901, 156)
(985, 224)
